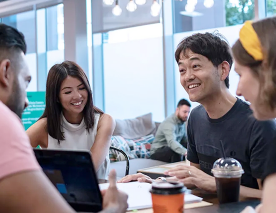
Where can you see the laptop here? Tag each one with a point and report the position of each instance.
(73, 174)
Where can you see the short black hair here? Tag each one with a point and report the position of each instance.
(11, 40)
(211, 45)
(183, 102)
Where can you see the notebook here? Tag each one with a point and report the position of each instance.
(139, 196)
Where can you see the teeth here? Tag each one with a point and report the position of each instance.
(77, 104)
(193, 86)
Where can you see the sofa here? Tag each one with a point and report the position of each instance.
(134, 137)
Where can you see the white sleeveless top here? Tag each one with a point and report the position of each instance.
(78, 138)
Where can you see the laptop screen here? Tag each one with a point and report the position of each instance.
(73, 174)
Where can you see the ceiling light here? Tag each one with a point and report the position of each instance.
(189, 8)
(154, 13)
(108, 2)
(140, 2)
(208, 3)
(155, 8)
(192, 2)
(131, 6)
(117, 9)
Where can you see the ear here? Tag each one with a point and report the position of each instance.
(225, 70)
(6, 75)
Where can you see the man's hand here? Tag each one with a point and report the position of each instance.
(192, 176)
(136, 177)
(114, 200)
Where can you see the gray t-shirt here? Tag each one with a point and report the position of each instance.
(172, 133)
(243, 138)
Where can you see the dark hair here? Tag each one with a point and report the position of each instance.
(183, 102)
(211, 45)
(11, 41)
(264, 70)
(53, 109)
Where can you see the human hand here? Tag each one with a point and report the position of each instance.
(249, 209)
(114, 199)
(139, 177)
(191, 176)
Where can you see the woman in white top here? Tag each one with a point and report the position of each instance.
(70, 121)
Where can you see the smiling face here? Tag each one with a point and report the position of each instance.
(198, 76)
(249, 87)
(72, 96)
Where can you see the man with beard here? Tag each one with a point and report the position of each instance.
(24, 187)
(170, 141)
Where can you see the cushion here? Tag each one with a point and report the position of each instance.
(135, 128)
(139, 148)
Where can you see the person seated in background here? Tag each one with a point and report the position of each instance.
(170, 141)
(24, 186)
(70, 120)
(222, 123)
(255, 55)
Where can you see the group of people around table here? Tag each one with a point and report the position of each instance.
(71, 121)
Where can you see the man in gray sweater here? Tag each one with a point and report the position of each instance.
(170, 141)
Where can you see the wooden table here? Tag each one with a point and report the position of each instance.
(158, 171)
(216, 207)
(210, 201)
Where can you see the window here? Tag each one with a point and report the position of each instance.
(270, 8)
(25, 23)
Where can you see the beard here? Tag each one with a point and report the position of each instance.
(183, 119)
(15, 102)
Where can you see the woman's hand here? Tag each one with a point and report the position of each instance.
(136, 177)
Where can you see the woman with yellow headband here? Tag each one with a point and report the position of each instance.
(255, 62)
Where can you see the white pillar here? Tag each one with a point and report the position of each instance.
(75, 33)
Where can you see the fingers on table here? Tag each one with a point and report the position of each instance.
(129, 178)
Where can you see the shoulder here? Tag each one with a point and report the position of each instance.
(9, 122)
(197, 112)
(106, 120)
(40, 125)
(38, 133)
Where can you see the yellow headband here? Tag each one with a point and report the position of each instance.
(250, 41)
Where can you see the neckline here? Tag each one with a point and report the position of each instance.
(227, 115)
(71, 127)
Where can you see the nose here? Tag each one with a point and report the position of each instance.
(26, 103)
(238, 91)
(77, 94)
(189, 76)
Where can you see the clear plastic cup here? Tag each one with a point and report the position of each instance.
(227, 172)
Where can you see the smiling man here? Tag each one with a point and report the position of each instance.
(222, 120)
(204, 62)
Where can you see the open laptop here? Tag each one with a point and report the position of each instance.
(73, 174)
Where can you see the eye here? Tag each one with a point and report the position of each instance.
(68, 92)
(196, 66)
(182, 71)
(82, 88)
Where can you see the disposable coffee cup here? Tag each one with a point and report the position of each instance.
(167, 197)
(227, 172)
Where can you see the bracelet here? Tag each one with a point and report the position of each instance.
(162, 179)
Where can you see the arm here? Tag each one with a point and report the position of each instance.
(193, 176)
(42, 197)
(40, 193)
(38, 133)
(100, 148)
(250, 193)
(168, 131)
(268, 199)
